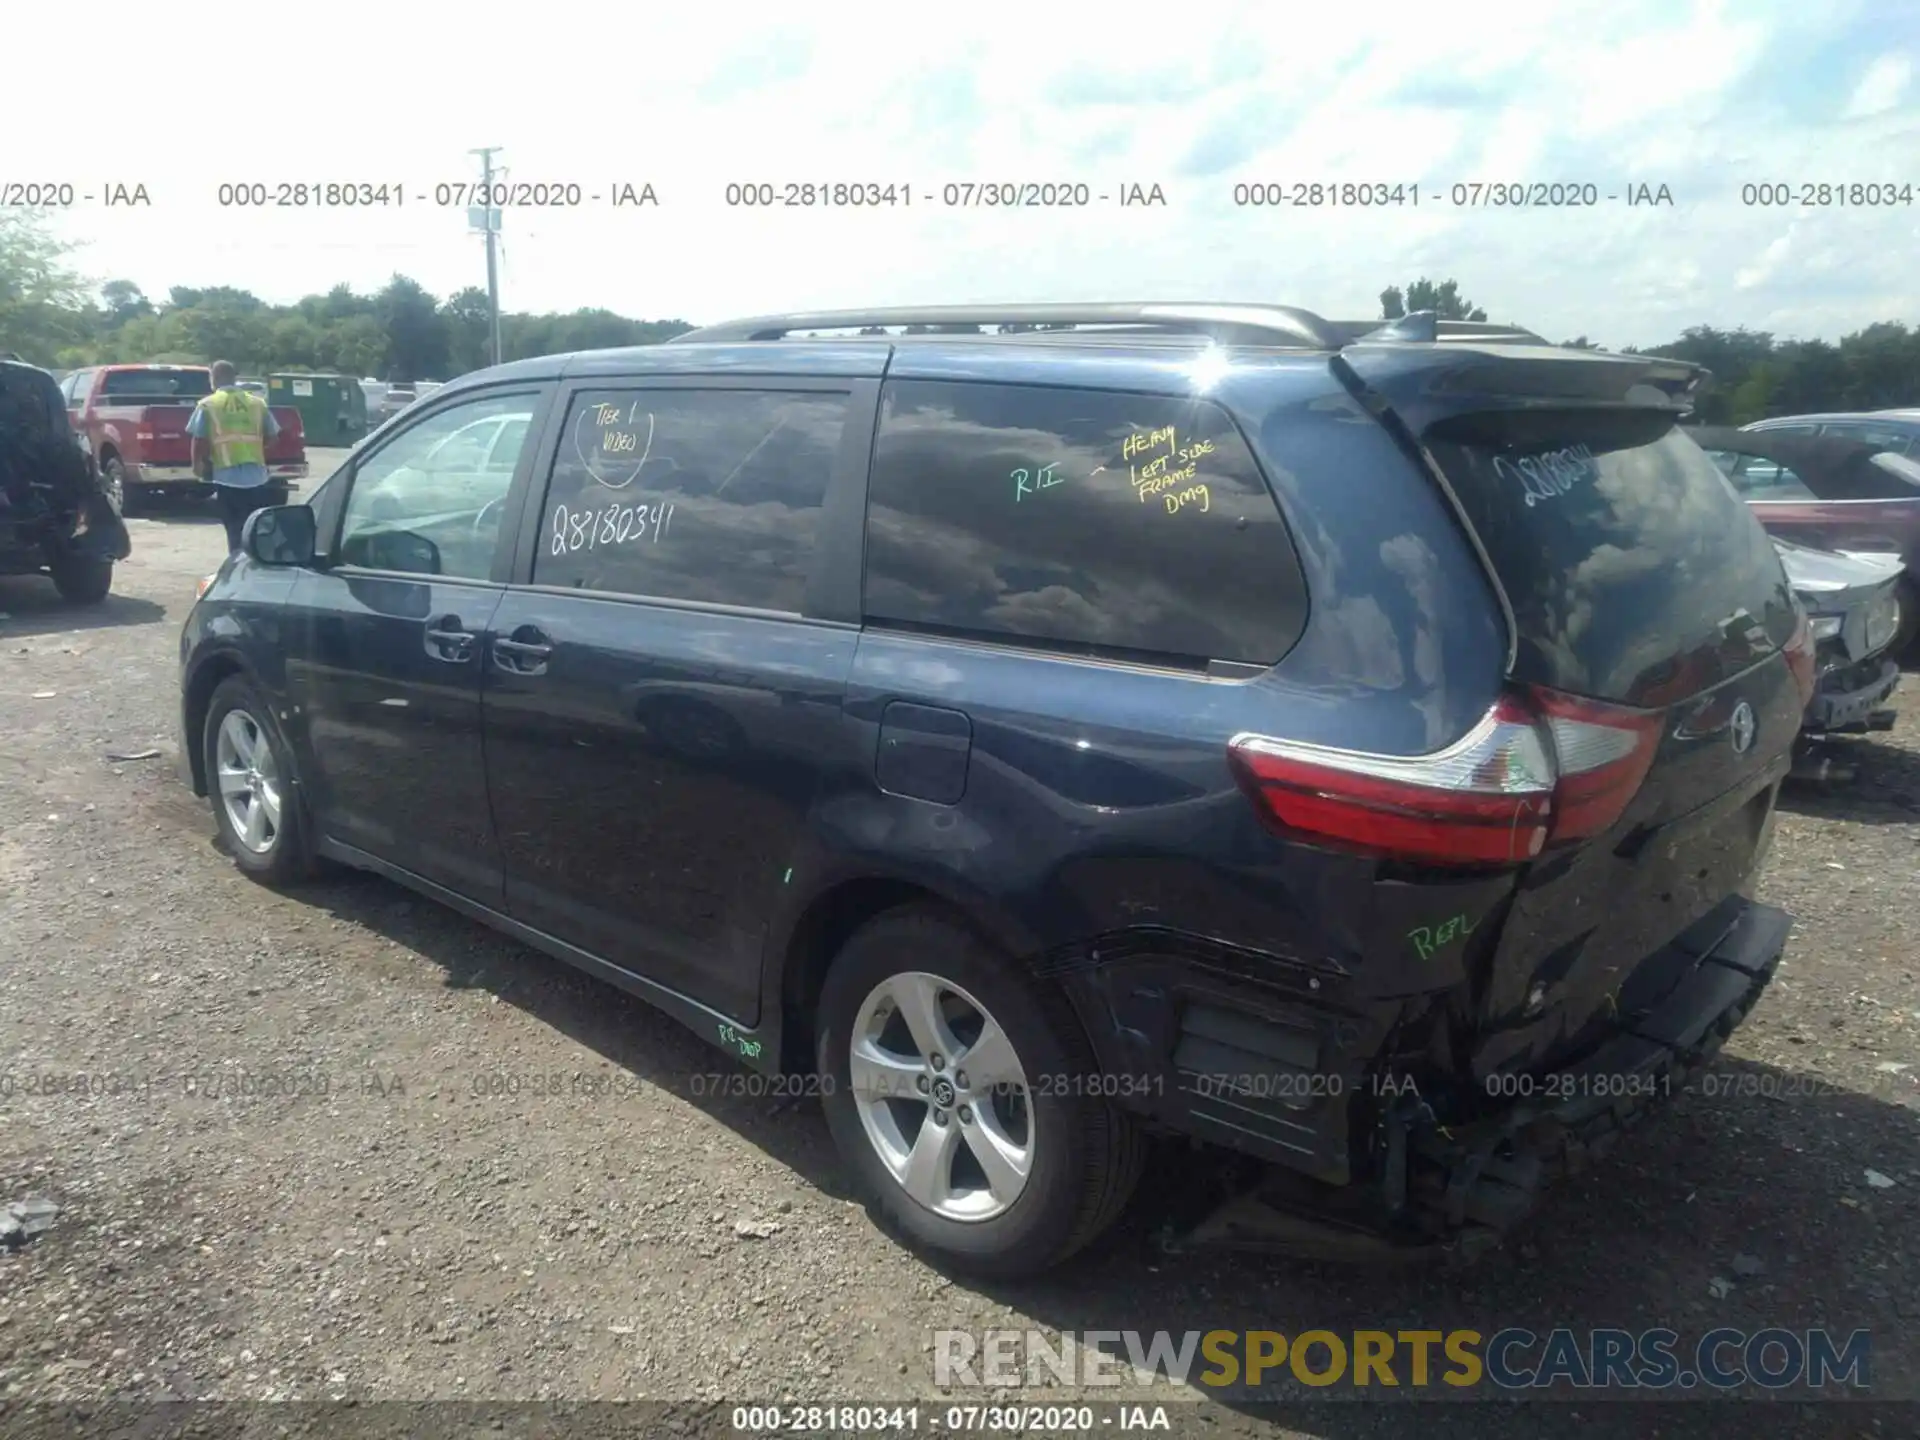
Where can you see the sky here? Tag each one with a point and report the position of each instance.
(1198, 98)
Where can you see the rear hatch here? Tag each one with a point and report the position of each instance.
(290, 445)
(1656, 646)
(164, 396)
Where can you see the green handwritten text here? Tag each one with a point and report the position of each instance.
(1028, 482)
(1426, 939)
(749, 1048)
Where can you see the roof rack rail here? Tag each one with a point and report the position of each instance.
(1235, 324)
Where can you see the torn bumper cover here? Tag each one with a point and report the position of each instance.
(98, 531)
(1848, 697)
(1450, 1182)
(42, 526)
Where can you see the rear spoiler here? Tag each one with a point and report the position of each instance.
(1425, 327)
(1535, 369)
(1427, 385)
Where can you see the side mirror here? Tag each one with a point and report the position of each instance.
(280, 535)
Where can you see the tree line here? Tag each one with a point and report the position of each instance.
(52, 317)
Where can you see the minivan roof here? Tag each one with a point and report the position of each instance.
(952, 339)
(1287, 326)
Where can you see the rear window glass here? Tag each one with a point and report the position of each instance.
(1619, 542)
(1081, 520)
(157, 384)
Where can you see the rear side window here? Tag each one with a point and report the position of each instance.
(1884, 437)
(707, 495)
(1611, 531)
(1758, 478)
(1082, 520)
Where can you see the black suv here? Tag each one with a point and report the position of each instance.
(896, 708)
(54, 520)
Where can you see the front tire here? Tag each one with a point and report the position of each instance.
(253, 786)
(1004, 1169)
(82, 581)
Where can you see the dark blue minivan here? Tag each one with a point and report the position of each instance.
(1045, 728)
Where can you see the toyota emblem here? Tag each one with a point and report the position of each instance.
(1744, 727)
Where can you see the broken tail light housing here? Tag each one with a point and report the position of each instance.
(1540, 768)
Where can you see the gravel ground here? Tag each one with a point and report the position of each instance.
(398, 1227)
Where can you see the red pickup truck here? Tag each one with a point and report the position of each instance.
(132, 421)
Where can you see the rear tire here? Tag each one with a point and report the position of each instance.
(1082, 1156)
(253, 786)
(113, 484)
(81, 580)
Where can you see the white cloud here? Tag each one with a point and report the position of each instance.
(1767, 265)
(693, 98)
(1881, 87)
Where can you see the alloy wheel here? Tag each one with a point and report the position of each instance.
(249, 781)
(942, 1096)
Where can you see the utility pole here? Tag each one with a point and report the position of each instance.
(488, 213)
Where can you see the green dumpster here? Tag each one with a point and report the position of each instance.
(333, 408)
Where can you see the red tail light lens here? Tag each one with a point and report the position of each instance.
(1603, 754)
(1539, 768)
(1800, 660)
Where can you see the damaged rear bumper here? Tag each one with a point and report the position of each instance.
(1459, 1187)
(1848, 698)
(1488, 1175)
(41, 532)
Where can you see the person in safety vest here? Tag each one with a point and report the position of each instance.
(230, 430)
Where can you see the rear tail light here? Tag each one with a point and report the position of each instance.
(1540, 768)
(1800, 660)
(1604, 753)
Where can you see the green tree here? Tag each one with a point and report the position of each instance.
(1444, 299)
(124, 301)
(469, 337)
(416, 331)
(43, 302)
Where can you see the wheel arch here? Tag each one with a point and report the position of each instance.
(839, 909)
(195, 700)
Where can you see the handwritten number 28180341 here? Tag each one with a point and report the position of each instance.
(574, 530)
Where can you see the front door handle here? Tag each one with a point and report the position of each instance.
(525, 652)
(447, 641)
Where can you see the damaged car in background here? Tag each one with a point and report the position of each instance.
(1858, 497)
(54, 520)
(1853, 605)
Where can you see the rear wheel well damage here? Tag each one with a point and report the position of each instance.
(194, 708)
(822, 930)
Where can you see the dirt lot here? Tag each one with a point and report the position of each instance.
(402, 1228)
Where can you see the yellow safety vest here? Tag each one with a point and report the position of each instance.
(236, 428)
